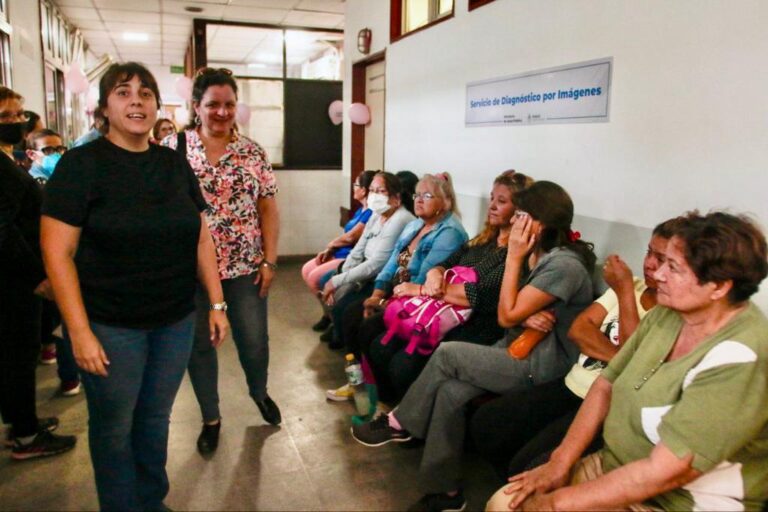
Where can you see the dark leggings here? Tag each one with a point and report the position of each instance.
(519, 430)
(395, 370)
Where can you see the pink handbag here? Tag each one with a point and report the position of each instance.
(423, 321)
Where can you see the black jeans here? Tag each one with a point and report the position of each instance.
(19, 350)
(395, 370)
(520, 429)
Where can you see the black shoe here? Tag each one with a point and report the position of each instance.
(44, 444)
(208, 440)
(322, 324)
(440, 503)
(47, 424)
(269, 411)
(327, 336)
(336, 344)
(377, 432)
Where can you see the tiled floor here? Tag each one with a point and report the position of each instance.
(309, 463)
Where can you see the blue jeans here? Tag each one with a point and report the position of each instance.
(247, 315)
(129, 411)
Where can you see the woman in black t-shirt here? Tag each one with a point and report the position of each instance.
(123, 243)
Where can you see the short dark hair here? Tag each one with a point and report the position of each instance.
(667, 228)
(32, 120)
(551, 205)
(208, 77)
(365, 179)
(720, 246)
(117, 74)
(391, 183)
(33, 137)
(158, 124)
(408, 180)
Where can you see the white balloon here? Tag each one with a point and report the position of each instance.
(336, 112)
(359, 113)
(184, 87)
(243, 113)
(75, 79)
(181, 115)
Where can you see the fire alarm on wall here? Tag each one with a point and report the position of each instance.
(364, 41)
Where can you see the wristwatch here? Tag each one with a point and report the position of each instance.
(218, 306)
(269, 264)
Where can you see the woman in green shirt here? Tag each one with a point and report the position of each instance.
(684, 405)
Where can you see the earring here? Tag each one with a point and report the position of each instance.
(198, 122)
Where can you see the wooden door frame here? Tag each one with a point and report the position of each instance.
(358, 131)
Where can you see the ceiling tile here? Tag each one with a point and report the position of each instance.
(335, 6)
(138, 5)
(176, 38)
(96, 35)
(276, 4)
(81, 13)
(129, 16)
(255, 15)
(177, 19)
(74, 3)
(153, 29)
(312, 19)
(178, 30)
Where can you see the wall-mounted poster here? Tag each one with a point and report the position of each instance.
(576, 93)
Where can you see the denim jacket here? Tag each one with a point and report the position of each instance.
(434, 247)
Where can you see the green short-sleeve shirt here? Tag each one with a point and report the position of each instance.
(711, 403)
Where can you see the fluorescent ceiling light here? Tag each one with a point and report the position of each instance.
(135, 36)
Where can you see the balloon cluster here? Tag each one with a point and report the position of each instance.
(359, 113)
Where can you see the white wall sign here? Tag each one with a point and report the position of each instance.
(576, 93)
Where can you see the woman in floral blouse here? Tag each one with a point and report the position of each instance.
(237, 182)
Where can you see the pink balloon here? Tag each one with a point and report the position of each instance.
(336, 112)
(75, 79)
(181, 115)
(242, 114)
(91, 100)
(359, 113)
(184, 87)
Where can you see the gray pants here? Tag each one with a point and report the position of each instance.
(247, 315)
(434, 406)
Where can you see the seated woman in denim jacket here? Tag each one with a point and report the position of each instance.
(424, 242)
(394, 369)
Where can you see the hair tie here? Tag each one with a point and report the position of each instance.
(573, 235)
(442, 176)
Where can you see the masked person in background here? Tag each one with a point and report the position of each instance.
(23, 279)
(44, 149)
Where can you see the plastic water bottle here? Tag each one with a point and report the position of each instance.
(355, 380)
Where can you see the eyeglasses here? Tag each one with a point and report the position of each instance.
(49, 150)
(425, 196)
(213, 71)
(10, 117)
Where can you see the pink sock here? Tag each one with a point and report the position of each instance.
(393, 422)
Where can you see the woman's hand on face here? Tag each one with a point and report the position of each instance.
(542, 479)
(617, 273)
(434, 286)
(521, 237)
(407, 290)
(89, 353)
(543, 321)
(265, 275)
(218, 325)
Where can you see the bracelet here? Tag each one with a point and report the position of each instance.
(265, 263)
(218, 306)
(382, 301)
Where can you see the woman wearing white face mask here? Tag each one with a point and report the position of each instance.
(355, 281)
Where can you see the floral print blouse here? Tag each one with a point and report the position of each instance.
(232, 189)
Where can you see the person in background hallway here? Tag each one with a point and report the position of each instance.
(239, 186)
(319, 269)
(162, 129)
(683, 407)
(33, 124)
(44, 149)
(22, 279)
(124, 243)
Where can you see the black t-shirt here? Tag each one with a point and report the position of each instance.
(139, 215)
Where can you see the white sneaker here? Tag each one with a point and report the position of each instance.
(342, 394)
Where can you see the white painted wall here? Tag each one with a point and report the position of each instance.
(688, 118)
(27, 53)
